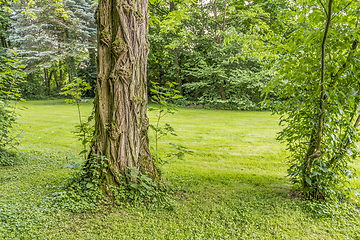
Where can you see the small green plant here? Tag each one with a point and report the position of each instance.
(10, 158)
(142, 190)
(164, 98)
(85, 129)
(11, 75)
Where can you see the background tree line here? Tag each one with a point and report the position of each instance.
(56, 46)
(191, 43)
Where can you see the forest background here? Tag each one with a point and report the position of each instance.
(193, 44)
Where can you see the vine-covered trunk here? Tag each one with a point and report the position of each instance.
(121, 123)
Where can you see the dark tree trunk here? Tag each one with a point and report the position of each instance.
(177, 72)
(223, 95)
(121, 123)
(56, 80)
(92, 57)
(4, 44)
(92, 69)
(47, 81)
(71, 68)
(60, 74)
(218, 40)
(176, 58)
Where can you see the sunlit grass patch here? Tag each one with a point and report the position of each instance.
(233, 186)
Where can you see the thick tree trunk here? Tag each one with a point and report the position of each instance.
(121, 123)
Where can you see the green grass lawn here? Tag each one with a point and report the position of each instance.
(233, 186)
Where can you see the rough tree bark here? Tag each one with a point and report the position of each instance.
(121, 123)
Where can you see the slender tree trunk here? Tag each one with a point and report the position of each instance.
(121, 123)
(3, 42)
(314, 149)
(323, 80)
(56, 80)
(60, 74)
(71, 68)
(47, 81)
(176, 58)
(177, 72)
(92, 57)
(92, 68)
(218, 41)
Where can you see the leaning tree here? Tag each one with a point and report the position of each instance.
(121, 123)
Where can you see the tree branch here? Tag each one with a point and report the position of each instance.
(342, 9)
(323, 7)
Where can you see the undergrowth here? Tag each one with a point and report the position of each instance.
(81, 191)
(38, 195)
(10, 158)
(54, 187)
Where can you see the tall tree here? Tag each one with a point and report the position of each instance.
(50, 37)
(4, 30)
(121, 123)
(316, 78)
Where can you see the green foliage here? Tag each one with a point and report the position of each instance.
(165, 97)
(82, 191)
(85, 130)
(11, 74)
(4, 29)
(32, 88)
(55, 45)
(208, 49)
(142, 190)
(317, 85)
(10, 158)
(75, 90)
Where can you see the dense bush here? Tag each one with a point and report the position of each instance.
(11, 75)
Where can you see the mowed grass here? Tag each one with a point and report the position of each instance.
(233, 186)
